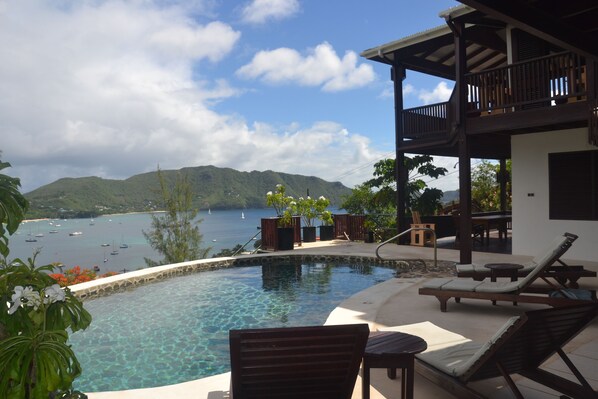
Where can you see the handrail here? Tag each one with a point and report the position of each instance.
(405, 232)
(250, 240)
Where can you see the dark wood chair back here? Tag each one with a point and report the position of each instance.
(301, 362)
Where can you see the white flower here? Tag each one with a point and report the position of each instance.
(278, 185)
(54, 294)
(24, 296)
(269, 193)
(293, 203)
(322, 198)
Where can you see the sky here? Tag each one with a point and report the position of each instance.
(116, 88)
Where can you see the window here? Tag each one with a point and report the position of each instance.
(573, 185)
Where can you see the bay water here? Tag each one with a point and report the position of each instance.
(102, 236)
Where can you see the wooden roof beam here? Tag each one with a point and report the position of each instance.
(539, 22)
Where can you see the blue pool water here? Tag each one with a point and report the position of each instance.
(176, 330)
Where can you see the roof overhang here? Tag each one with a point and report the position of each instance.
(570, 24)
(433, 51)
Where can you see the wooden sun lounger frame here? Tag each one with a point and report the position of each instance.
(522, 349)
(566, 275)
(520, 295)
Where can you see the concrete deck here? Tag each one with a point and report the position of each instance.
(396, 302)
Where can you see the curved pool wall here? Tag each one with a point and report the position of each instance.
(122, 282)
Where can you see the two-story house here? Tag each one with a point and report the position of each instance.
(525, 76)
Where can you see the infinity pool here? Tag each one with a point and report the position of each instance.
(176, 330)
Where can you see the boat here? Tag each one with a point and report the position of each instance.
(91, 222)
(53, 231)
(96, 268)
(39, 235)
(105, 245)
(30, 240)
(114, 250)
(242, 215)
(209, 211)
(123, 246)
(76, 233)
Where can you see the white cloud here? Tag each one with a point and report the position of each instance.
(114, 88)
(321, 66)
(440, 93)
(260, 11)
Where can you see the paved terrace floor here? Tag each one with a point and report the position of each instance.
(396, 302)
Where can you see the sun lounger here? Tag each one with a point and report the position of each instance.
(564, 274)
(521, 346)
(302, 362)
(446, 288)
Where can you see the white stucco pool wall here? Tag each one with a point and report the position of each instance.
(532, 228)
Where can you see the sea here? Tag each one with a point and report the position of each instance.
(116, 242)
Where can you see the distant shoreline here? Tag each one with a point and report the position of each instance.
(107, 214)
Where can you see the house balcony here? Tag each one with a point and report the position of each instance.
(542, 94)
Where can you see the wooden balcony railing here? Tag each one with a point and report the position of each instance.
(541, 82)
(426, 122)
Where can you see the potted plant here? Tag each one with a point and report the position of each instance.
(308, 210)
(327, 226)
(284, 207)
(36, 316)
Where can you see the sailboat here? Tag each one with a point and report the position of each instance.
(209, 211)
(242, 215)
(114, 250)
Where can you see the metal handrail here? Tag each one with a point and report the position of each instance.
(250, 240)
(405, 232)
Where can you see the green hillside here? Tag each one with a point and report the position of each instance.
(215, 188)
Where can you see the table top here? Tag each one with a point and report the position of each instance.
(482, 218)
(503, 266)
(388, 343)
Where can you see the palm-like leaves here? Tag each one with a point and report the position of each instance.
(12, 207)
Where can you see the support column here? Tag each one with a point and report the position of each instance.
(465, 241)
(503, 178)
(398, 75)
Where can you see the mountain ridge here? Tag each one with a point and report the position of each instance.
(215, 188)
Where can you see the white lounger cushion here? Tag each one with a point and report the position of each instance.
(544, 256)
(467, 285)
(436, 337)
(447, 351)
(473, 268)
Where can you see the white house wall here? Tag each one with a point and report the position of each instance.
(532, 228)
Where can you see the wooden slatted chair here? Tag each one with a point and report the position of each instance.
(420, 237)
(521, 346)
(515, 291)
(302, 362)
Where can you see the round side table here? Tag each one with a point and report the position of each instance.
(392, 350)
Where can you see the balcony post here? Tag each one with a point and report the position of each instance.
(503, 178)
(398, 75)
(465, 240)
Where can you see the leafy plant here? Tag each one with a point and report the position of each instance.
(284, 205)
(326, 218)
(13, 207)
(278, 200)
(485, 188)
(36, 315)
(309, 209)
(175, 234)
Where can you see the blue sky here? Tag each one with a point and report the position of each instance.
(116, 88)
